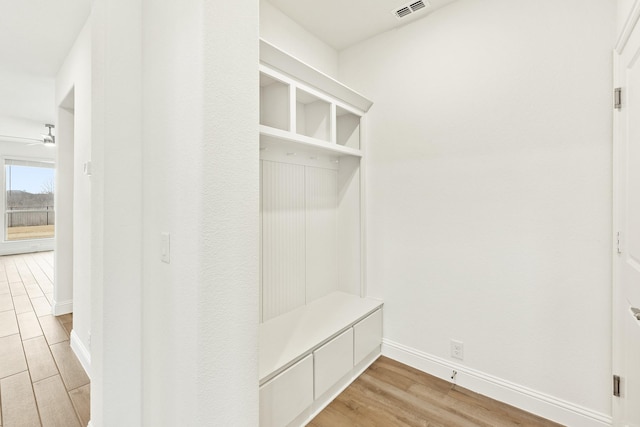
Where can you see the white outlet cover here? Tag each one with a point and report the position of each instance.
(457, 349)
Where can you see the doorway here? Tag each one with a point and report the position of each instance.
(63, 282)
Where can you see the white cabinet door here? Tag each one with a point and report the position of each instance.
(333, 361)
(367, 336)
(284, 397)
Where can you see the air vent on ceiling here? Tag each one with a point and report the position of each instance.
(403, 12)
(410, 8)
(417, 5)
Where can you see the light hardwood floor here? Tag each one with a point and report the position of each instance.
(392, 394)
(41, 381)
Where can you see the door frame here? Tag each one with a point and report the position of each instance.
(618, 310)
(617, 361)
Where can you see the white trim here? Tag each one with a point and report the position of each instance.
(627, 29)
(532, 401)
(301, 142)
(295, 84)
(617, 367)
(269, 54)
(15, 247)
(62, 307)
(82, 353)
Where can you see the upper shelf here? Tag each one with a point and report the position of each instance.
(300, 117)
(270, 135)
(276, 58)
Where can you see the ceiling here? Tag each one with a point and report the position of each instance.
(36, 35)
(342, 23)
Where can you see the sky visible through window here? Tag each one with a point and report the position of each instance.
(30, 179)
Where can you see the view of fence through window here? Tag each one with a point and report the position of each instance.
(29, 200)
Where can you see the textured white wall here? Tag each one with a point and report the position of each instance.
(200, 114)
(283, 32)
(229, 245)
(489, 188)
(172, 113)
(73, 203)
(116, 213)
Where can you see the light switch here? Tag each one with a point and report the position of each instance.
(165, 255)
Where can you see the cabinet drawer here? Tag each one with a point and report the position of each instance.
(367, 336)
(333, 361)
(284, 397)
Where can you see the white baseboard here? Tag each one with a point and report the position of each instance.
(529, 400)
(81, 353)
(16, 247)
(59, 308)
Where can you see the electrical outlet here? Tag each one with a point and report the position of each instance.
(457, 349)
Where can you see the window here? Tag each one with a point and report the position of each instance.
(29, 199)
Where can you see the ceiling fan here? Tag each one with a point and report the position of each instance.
(47, 139)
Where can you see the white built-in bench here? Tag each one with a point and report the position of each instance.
(307, 356)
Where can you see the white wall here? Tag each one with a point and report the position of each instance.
(489, 192)
(283, 32)
(624, 8)
(26, 96)
(14, 148)
(200, 115)
(116, 214)
(73, 195)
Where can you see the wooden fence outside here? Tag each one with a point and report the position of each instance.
(20, 217)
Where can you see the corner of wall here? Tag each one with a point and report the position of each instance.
(532, 401)
(285, 33)
(81, 352)
(59, 308)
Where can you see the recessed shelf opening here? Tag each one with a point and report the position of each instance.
(347, 128)
(313, 116)
(274, 103)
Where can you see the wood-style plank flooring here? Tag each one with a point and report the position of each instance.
(392, 394)
(41, 381)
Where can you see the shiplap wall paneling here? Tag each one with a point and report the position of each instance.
(349, 226)
(322, 228)
(283, 238)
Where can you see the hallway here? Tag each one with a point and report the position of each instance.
(41, 380)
